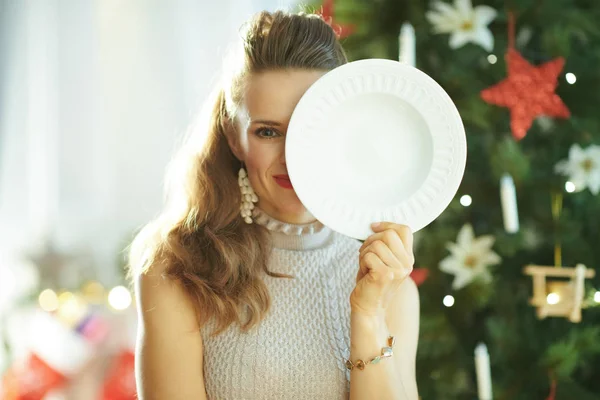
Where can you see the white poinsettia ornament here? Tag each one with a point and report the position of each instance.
(464, 22)
(470, 258)
(582, 168)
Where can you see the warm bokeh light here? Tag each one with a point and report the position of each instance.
(94, 292)
(48, 300)
(119, 298)
(71, 308)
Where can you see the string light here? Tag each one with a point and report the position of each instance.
(466, 200)
(597, 297)
(492, 59)
(571, 78)
(570, 187)
(448, 300)
(553, 298)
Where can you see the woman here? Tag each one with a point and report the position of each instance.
(241, 293)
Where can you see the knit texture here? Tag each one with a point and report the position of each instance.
(298, 350)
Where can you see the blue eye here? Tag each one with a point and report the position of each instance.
(267, 133)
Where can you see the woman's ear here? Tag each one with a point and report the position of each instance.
(235, 127)
(233, 140)
(235, 148)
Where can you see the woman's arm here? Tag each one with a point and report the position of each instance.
(392, 378)
(169, 352)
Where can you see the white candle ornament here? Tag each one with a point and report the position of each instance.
(407, 45)
(508, 198)
(484, 376)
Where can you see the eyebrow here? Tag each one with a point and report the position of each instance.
(265, 122)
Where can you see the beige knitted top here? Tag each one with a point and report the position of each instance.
(298, 351)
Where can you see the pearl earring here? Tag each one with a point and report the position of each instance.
(248, 196)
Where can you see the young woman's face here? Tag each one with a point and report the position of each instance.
(263, 119)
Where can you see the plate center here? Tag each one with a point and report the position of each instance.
(384, 148)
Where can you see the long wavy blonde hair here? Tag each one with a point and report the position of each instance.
(199, 237)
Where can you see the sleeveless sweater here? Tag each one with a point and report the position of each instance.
(298, 350)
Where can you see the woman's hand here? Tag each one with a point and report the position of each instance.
(386, 259)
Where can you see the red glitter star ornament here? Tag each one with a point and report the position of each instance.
(326, 13)
(528, 92)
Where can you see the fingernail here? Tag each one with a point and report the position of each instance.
(375, 224)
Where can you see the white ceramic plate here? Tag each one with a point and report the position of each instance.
(375, 140)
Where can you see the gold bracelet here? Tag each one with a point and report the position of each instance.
(386, 352)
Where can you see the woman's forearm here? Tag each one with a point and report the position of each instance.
(368, 334)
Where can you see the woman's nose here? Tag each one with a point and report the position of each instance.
(282, 154)
(282, 157)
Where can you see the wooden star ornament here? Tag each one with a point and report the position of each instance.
(528, 91)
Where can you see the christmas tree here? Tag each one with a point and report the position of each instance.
(525, 78)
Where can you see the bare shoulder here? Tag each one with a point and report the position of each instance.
(160, 298)
(169, 349)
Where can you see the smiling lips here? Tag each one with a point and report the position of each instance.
(283, 181)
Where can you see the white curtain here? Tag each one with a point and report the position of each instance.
(93, 97)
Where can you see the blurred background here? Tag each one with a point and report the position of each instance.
(95, 96)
